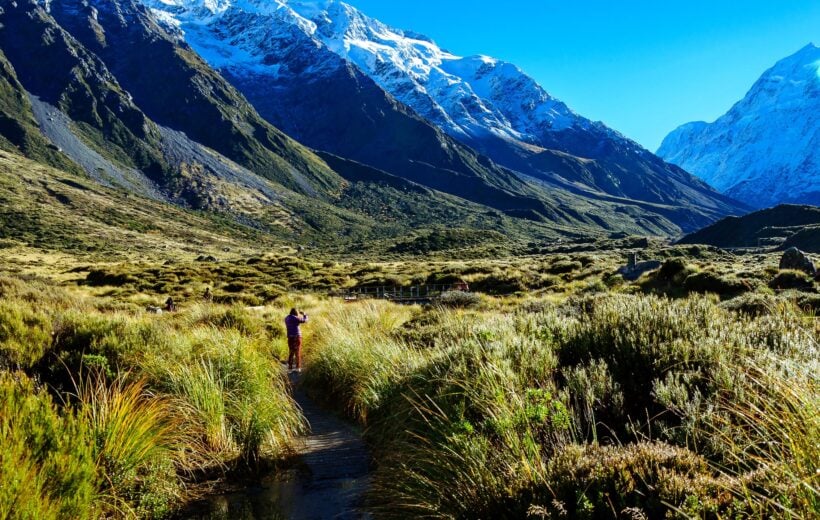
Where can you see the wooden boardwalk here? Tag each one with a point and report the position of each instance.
(401, 294)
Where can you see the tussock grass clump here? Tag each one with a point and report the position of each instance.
(767, 434)
(232, 396)
(135, 437)
(149, 401)
(347, 367)
(612, 405)
(792, 280)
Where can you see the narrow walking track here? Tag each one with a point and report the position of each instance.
(337, 462)
(329, 484)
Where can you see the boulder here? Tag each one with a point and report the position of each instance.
(796, 259)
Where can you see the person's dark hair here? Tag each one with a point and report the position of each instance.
(293, 312)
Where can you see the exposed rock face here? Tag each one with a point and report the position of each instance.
(796, 259)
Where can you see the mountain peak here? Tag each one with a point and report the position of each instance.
(488, 105)
(764, 150)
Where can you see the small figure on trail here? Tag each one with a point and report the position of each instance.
(170, 306)
(292, 325)
(208, 296)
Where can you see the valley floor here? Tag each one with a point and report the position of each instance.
(557, 387)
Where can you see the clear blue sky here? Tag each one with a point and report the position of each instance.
(643, 67)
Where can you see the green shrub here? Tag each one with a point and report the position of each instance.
(564, 266)
(753, 304)
(459, 299)
(25, 334)
(47, 466)
(708, 282)
(499, 284)
(505, 415)
(100, 278)
(674, 271)
(636, 481)
(792, 280)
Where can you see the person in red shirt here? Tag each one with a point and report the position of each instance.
(294, 331)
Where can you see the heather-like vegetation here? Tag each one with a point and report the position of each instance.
(554, 388)
(598, 407)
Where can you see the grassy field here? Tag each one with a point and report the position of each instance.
(555, 389)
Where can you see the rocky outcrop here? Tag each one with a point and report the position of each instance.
(797, 260)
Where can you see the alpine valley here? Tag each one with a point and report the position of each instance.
(314, 124)
(274, 259)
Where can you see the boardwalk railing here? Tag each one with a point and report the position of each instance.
(413, 293)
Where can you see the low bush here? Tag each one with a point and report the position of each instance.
(674, 271)
(459, 299)
(25, 334)
(548, 413)
(708, 282)
(47, 466)
(130, 380)
(564, 266)
(792, 280)
(753, 304)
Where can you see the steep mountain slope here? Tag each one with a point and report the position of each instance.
(782, 226)
(496, 108)
(64, 101)
(51, 65)
(328, 104)
(177, 89)
(344, 83)
(18, 127)
(766, 149)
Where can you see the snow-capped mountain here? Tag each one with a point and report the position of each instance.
(468, 97)
(766, 149)
(342, 82)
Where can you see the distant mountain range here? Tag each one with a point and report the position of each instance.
(766, 149)
(311, 121)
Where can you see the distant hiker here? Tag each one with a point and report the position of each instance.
(208, 296)
(292, 323)
(170, 306)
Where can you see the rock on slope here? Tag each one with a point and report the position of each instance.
(766, 149)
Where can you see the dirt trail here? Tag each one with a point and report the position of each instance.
(338, 463)
(330, 484)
